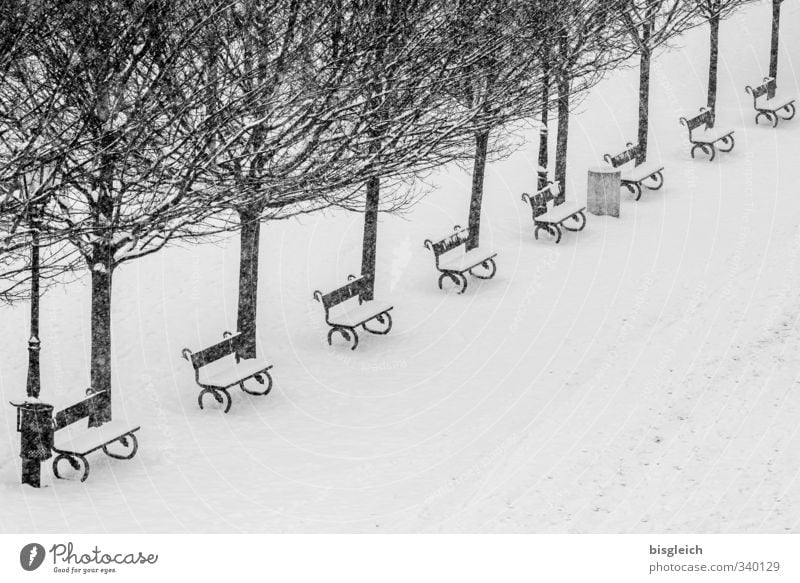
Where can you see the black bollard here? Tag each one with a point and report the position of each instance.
(35, 425)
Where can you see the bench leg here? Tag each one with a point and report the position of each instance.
(384, 318)
(790, 111)
(765, 114)
(579, 218)
(259, 379)
(456, 278)
(348, 334)
(489, 265)
(709, 149)
(634, 188)
(551, 229)
(128, 441)
(706, 149)
(658, 181)
(218, 396)
(729, 140)
(75, 460)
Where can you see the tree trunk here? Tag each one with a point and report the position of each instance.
(773, 49)
(713, 62)
(248, 281)
(100, 376)
(644, 104)
(476, 199)
(102, 267)
(543, 135)
(562, 138)
(370, 243)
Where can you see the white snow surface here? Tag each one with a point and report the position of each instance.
(641, 376)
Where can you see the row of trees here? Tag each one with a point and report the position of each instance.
(127, 124)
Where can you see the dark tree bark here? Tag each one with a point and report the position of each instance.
(543, 135)
(562, 138)
(370, 242)
(476, 199)
(102, 268)
(100, 372)
(644, 104)
(775, 42)
(713, 22)
(248, 280)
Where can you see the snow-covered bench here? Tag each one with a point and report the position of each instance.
(704, 136)
(345, 316)
(553, 219)
(453, 260)
(73, 441)
(771, 107)
(218, 368)
(634, 176)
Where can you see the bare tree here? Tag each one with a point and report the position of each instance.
(583, 47)
(285, 68)
(115, 100)
(502, 83)
(713, 11)
(650, 25)
(329, 95)
(412, 57)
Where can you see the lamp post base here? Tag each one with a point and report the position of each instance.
(32, 473)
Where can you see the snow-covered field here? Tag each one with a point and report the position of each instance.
(642, 376)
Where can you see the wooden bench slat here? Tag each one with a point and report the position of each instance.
(776, 103)
(641, 172)
(710, 135)
(80, 410)
(461, 261)
(358, 314)
(82, 440)
(561, 212)
(226, 372)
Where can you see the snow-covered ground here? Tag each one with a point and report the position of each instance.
(642, 376)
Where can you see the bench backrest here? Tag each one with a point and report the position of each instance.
(233, 344)
(459, 237)
(631, 153)
(768, 87)
(704, 118)
(539, 200)
(95, 402)
(353, 288)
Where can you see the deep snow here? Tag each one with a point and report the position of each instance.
(642, 376)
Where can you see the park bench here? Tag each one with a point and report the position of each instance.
(553, 219)
(634, 177)
(219, 367)
(346, 309)
(73, 442)
(771, 107)
(704, 136)
(453, 260)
